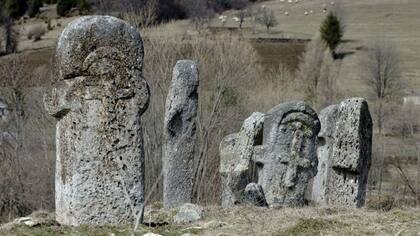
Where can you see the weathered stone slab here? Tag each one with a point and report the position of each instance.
(180, 135)
(236, 162)
(289, 159)
(351, 154)
(328, 118)
(98, 100)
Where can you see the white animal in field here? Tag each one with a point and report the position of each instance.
(306, 13)
(222, 17)
(286, 13)
(311, 11)
(281, 0)
(290, 1)
(236, 19)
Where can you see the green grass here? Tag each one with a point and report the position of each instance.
(311, 227)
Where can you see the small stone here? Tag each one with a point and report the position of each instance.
(254, 195)
(188, 213)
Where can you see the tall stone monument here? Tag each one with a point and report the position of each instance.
(98, 100)
(180, 135)
(344, 151)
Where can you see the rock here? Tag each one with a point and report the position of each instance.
(180, 135)
(236, 166)
(344, 150)
(328, 118)
(33, 220)
(188, 213)
(289, 159)
(157, 217)
(351, 154)
(254, 195)
(98, 100)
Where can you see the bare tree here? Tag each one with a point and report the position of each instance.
(380, 71)
(267, 18)
(242, 12)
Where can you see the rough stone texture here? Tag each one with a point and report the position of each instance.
(289, 160)
(254, 195)
(98, 100)
(351, 154)
(188, 213)
(236, 165)
(328, 118)
(180, 135)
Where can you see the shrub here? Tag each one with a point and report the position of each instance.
(331, 31)
(15, 8)
(34, 6)
(36, 32)
(64, 6)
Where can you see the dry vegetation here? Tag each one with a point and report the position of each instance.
(240, 73)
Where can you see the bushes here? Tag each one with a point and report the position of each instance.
(34, 6)
(15, 8)
(64, 6)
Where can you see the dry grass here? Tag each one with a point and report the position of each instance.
(262, 221)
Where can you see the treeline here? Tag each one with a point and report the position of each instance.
(165, 10)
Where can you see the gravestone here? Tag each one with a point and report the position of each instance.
(236, 159)
(351, 154)
(98, 100)
(289, 156)
(180, 135)
(328, 118)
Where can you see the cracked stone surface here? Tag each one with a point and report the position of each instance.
(289, 158)
(180, 135)
(98, 100)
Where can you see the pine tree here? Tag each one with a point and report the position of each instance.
(64, 6)
(15, 8)
(34, 6)
(331, 32)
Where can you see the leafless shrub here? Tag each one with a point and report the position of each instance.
(141, 16)
(26, 172)
(36, 32)
(380, 71)
(223, 87)
(199, 13)
(319, 73)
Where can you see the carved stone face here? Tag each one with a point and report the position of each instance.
(290, 158)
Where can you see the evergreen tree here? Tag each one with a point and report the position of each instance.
(331, 32)
(64, 6)
(15, 8)
(34, 6)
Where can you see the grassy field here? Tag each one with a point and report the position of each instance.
(260, 221)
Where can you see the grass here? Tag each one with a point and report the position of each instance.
(263, 221)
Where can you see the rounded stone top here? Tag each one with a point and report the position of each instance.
(88, 34)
